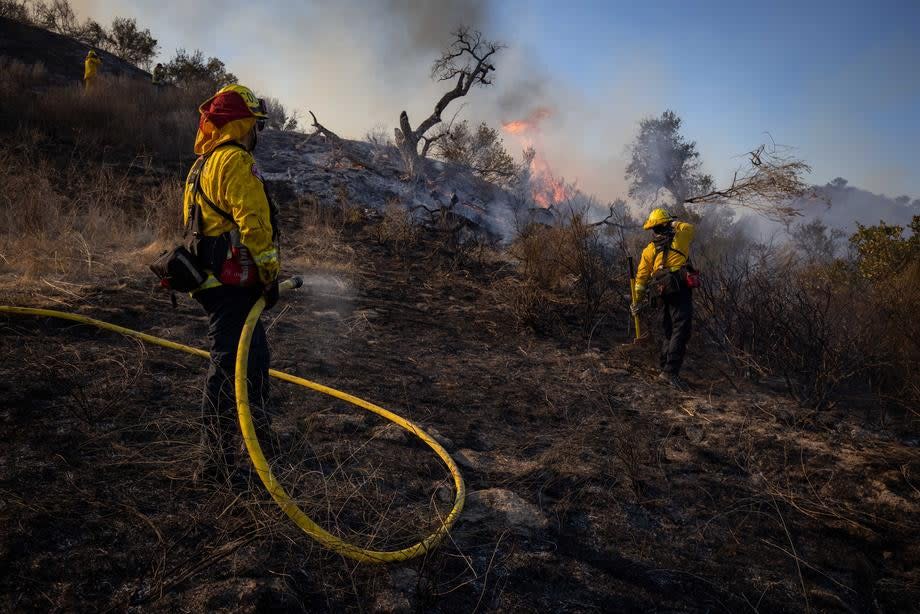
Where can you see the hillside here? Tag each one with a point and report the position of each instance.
(592, 486)
(61, 55)
(365, 175)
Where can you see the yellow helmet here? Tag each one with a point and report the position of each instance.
(255, 104)
(91, 54)
(656, 218)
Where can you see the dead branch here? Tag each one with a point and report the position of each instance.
(344, 146)
(429, 141)
(321, 129)
(772, 185)
(439, 214)
(606, 221)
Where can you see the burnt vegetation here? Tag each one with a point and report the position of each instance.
(786, 480)
(480, 149)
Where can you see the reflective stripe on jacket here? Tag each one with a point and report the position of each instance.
(652, 260)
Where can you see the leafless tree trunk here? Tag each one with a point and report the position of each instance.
(465, 61)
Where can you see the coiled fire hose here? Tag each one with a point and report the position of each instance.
(275, 489)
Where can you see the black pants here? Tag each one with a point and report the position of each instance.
(676, 324)
(227, 308)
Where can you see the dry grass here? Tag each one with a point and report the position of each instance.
(525, 302)
(80, 196)
(79, 221)
(397, 229)
(117, 116)
(16, 76)
(313, 238)
(563, 271)
(826, 332)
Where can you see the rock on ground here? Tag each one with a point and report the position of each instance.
(503, 506)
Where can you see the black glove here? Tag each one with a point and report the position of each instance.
(271, 295)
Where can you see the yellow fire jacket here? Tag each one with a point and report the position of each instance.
(652, 261)
(90, 67)
(230, 180)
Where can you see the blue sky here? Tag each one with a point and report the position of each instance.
(837, 81)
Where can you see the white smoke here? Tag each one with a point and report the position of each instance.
(358, 64)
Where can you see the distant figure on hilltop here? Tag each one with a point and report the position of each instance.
(91, 66)
(666, 264)
(159, 73)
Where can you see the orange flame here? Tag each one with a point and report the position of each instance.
(529, 124)
(516, 127)
(552, 193)
(546, 188)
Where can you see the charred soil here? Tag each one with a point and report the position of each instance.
(591, 486)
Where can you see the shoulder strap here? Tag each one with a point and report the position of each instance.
(193, 224)
(666, 248)
(208, 201)
(195, 219)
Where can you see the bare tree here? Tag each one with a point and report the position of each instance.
(468, 61)
(17, 10)
(57, 16)
(771, 184)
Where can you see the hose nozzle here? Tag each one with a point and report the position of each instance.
(291, 284)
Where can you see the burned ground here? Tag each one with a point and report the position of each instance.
(591, 487)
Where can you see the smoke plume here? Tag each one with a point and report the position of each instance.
(358, 65)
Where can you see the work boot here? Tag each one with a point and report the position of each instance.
(673, 380)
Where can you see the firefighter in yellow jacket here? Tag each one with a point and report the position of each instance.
(663, 267)
(236, 242)
(91, 66)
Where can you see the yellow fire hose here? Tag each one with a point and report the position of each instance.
(288, 505)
